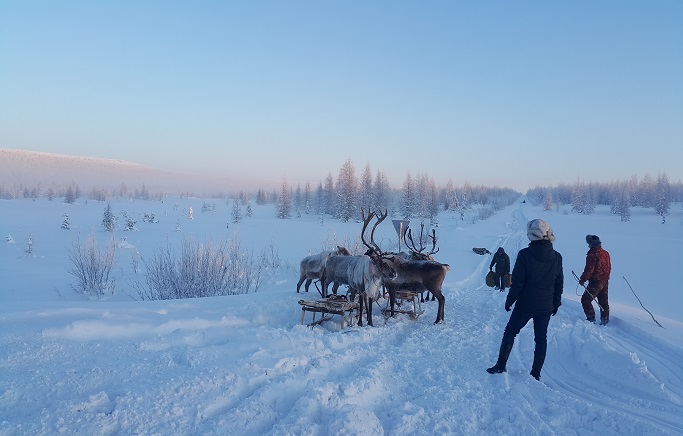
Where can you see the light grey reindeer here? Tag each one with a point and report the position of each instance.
(363, 274)
(311, 267)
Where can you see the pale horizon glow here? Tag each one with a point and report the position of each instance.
(510, 94)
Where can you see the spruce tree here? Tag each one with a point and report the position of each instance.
(108, 220)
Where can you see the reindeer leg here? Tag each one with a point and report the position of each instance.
(308, 284)
(360, 310)
(369, 304)
(392, 300)
(323, 286)
(442, 304)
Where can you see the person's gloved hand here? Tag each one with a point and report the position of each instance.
(582, 282)
(509, 301)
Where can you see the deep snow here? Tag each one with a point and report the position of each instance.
(244, 364)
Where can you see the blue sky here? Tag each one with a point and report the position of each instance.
(503, 93)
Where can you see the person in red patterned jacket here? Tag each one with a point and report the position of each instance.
(597, 271)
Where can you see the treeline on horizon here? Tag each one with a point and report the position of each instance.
(418, 197)
(621, 196)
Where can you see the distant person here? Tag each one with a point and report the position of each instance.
(597, 271)
(502, 262)
(536, 292)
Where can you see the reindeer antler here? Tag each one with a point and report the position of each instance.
(366, 221)
(412, 246)
(419, 251)
(434, 249)
(380, 217)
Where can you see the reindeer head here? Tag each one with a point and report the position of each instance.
(374, 252)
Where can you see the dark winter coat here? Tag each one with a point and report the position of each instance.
(537, 279)
(598, 265)
(502, 262)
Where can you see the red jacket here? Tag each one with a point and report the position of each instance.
(598, 265)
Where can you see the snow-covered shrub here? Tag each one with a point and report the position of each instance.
(201, 270)
(92, 267)
(130, 225)
(29, 251)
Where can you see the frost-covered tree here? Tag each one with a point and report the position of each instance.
(662, 196)
(366, 199)
(647, 192)
(320, 199)
(66, 224)
(583, 198)
(249, 212)
(408, 197)
(307, 198)
(381, 191)
(236, 212)
(284, 201)
(621, 201)
(450, 196)
(108, 220)
(427, 199)
(548, 201)
(329, 205)
(70, 196)
(347, 192)
(298, 201)
(261, 197)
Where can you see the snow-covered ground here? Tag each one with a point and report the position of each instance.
(245, 365)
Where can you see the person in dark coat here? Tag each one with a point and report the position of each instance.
(597, 271)
(536, 292)
(502, 262)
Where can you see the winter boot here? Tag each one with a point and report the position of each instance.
(604, 321)
(591, 320)
(539, 359)
(503, 355)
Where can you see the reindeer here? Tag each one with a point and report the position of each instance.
(423, 274)
(311, 267)
(363, 274)
(417, 253)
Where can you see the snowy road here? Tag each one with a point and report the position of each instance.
(243, 365)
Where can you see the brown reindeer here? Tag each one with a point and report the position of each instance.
(424, 274)
(311, 267)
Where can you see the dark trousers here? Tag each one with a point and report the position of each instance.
(518, 320)
(499, 280)
(600, 290)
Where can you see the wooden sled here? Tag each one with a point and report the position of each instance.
(328, 308)
(407, 302)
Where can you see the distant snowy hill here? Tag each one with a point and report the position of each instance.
(19, 169)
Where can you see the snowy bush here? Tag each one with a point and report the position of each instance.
(92, 267)
(202, 270)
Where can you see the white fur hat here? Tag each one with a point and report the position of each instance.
(538, 230)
